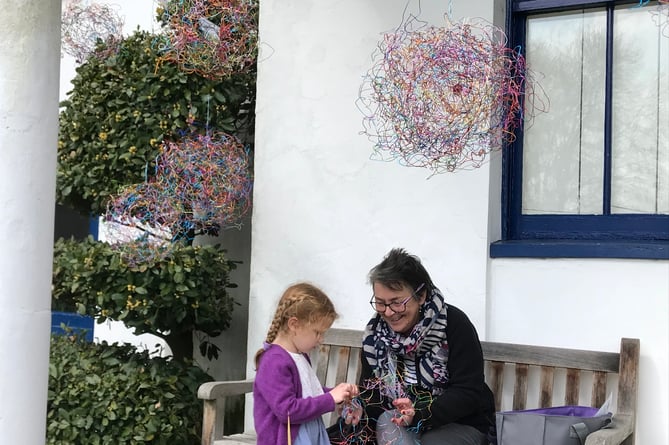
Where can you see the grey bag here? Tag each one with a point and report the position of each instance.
(560, 425)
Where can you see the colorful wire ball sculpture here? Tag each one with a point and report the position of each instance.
(84, 25)
(443, 98)
(213, 38)
(202, 185)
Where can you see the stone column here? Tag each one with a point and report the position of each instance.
(29, 71)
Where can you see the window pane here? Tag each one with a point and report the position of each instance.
(563, 148)
(640, 150)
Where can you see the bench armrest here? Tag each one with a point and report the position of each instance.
(621, 427)
(217, 390)
(213, 396)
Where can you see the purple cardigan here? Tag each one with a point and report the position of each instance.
(277, 392)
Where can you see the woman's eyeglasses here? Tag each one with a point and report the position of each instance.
(396, 306)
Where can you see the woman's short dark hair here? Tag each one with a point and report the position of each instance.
(398, 269)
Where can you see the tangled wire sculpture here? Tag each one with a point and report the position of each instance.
(213, 38)
(390, 387)
(444, 97)
(202, 184)
(85, 25)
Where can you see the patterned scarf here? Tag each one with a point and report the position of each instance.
(422, 355)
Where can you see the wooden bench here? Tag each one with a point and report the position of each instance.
(520, 376)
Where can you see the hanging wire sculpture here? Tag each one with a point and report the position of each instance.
(213, 38)
(202, 185)
(443, 98)
(390, 386)
(84, 25)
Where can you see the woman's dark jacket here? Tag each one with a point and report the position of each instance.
(466, 399)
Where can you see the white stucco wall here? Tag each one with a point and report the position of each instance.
(324, 212)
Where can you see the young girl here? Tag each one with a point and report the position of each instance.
(287, 396)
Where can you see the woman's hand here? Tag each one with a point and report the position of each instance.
(405, 410)
(344, 392)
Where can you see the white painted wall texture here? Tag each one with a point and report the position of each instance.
(325, 212)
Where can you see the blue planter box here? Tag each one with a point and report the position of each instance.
(75, 321)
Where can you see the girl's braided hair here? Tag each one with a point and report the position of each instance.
(303, 301)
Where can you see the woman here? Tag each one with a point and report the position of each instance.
(422, 365)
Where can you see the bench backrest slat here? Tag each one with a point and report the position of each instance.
(520, 388)
(572, 386)
(343, 337)
(628, 383)
(342, 365)
(598, 388)
(548, 356)
(320, 361)
(546, 386)
(495, 379)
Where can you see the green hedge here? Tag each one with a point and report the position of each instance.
(113, 394)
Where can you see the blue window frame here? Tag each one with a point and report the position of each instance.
(604, 223)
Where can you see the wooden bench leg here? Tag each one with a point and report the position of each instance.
(208, 422)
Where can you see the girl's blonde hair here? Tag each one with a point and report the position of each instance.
(303, 301)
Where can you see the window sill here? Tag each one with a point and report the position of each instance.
(536, 248)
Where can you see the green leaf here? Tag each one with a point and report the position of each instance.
(219, 97)
(93, 379)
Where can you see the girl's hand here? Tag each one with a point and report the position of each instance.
(352, 412)
(344, 392)
(405, 410)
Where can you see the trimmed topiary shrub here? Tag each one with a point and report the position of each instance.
(171, 297)
(127, 98)
(112, 394)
